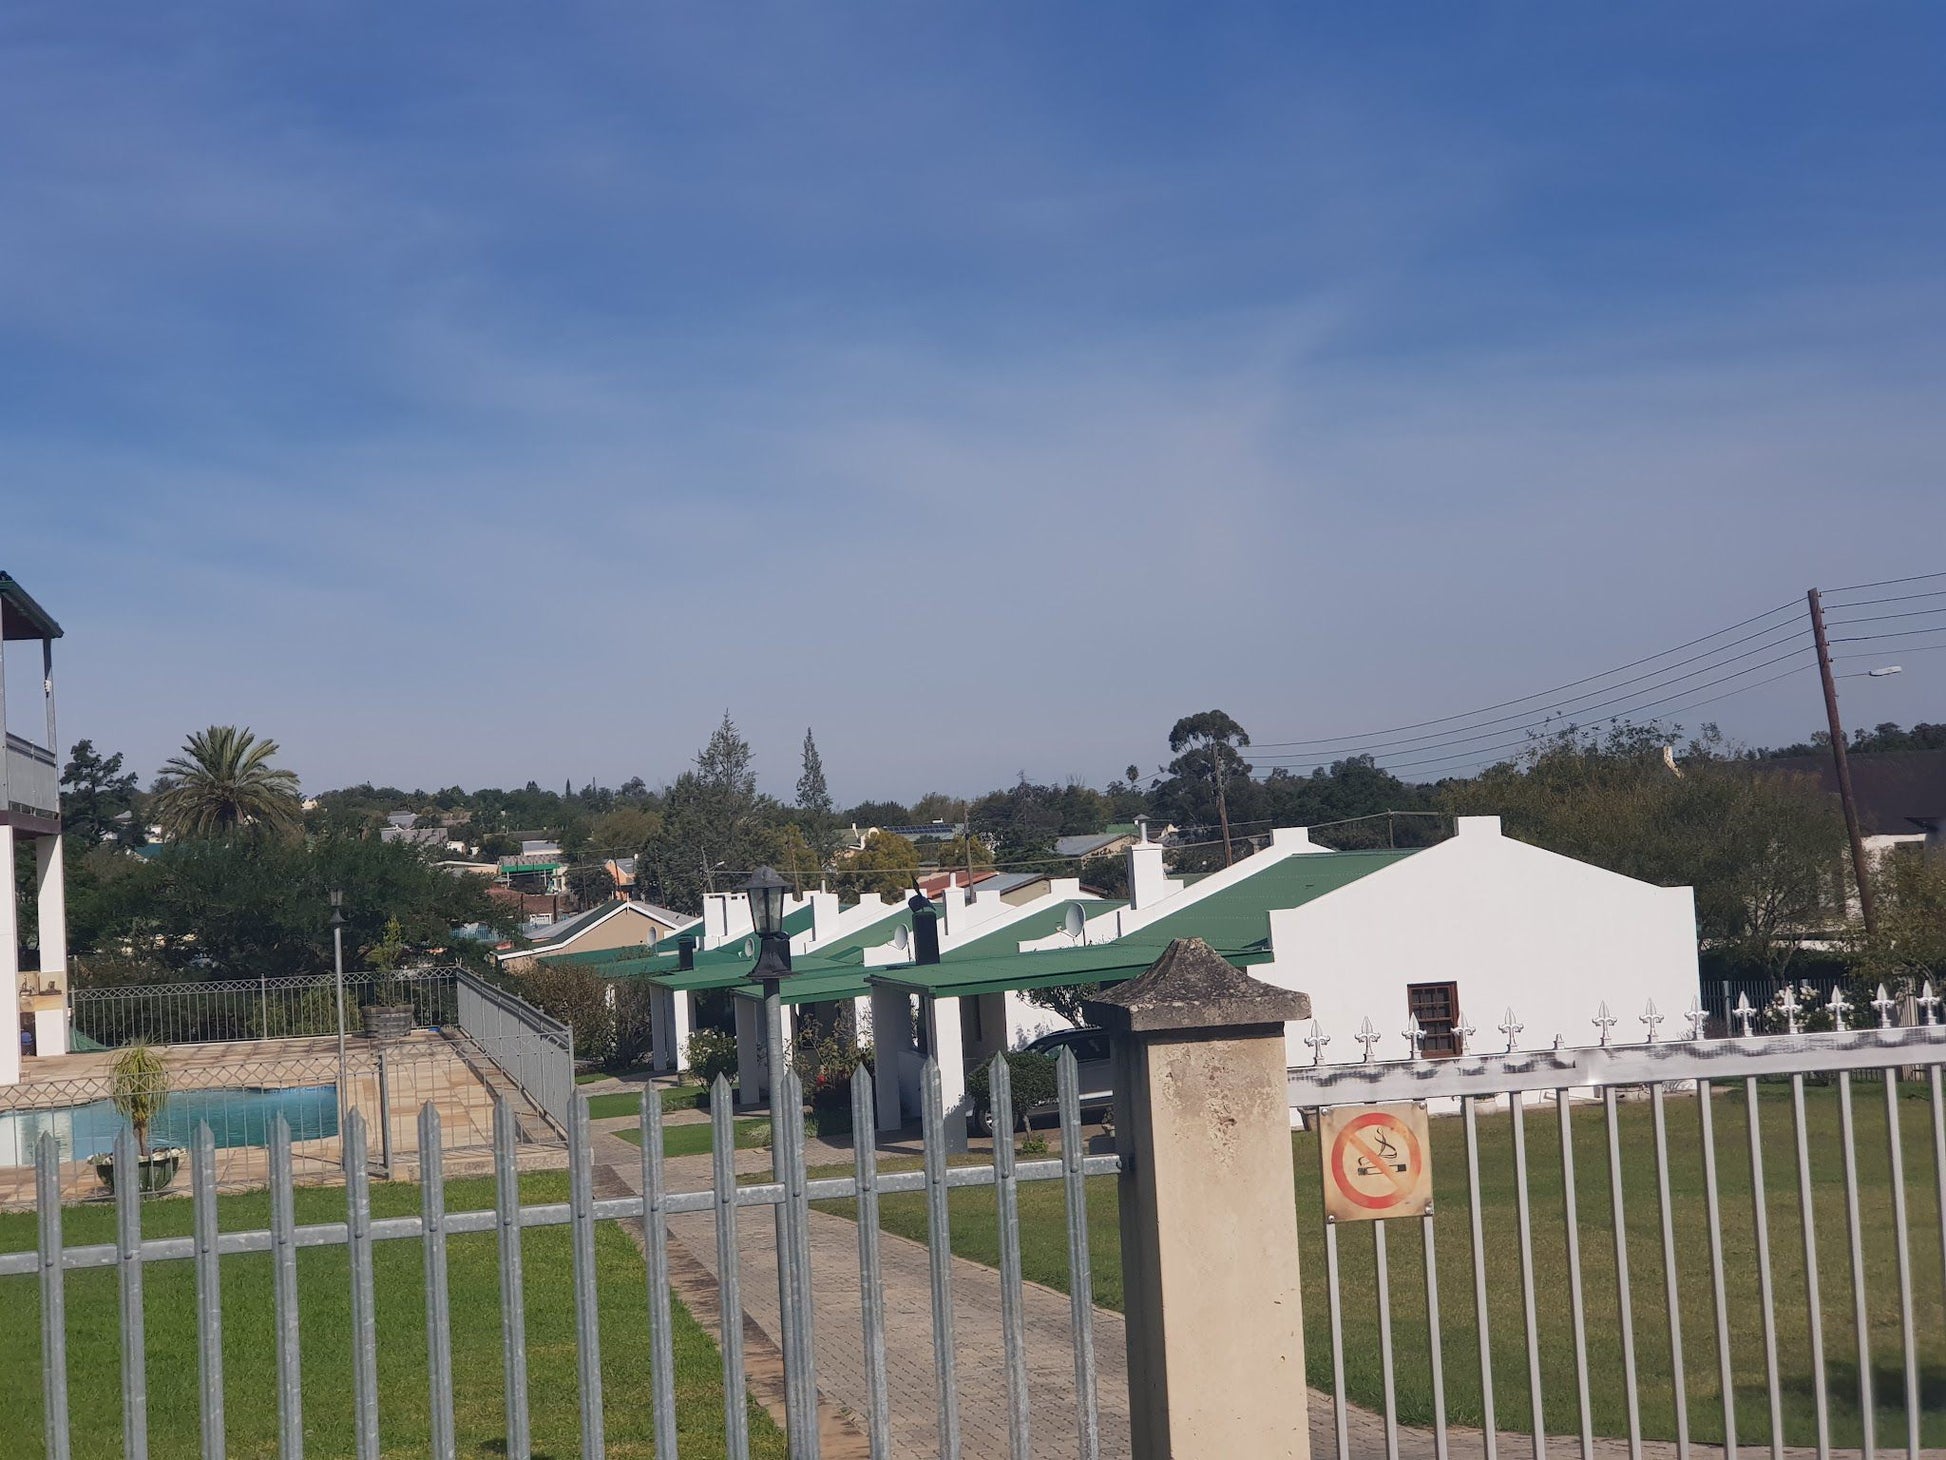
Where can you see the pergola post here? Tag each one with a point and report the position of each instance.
(892, 1045)
(948, 1048)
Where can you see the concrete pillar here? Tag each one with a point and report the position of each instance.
(1215, 1329)
(10, 1000)
(750, 1055)
(949, 1050)
(892, 1046)
(682, 1023)
(50, 885)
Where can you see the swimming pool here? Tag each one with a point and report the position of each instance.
(236, 1118)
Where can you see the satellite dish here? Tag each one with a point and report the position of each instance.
(1075, 923)
(749, 947)
(902, 938)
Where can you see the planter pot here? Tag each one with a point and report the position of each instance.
(386, 1021)
(157, 1169)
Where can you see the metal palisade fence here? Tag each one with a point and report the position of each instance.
(1728, 1243)
(787, 1196)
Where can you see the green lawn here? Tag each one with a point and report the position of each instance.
(628, 1102)
(1045, 1260)
(323, 1275)
(695, 1139)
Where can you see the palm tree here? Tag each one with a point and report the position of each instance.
(223, 783)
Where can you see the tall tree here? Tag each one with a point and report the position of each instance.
(813, 795)
(714, 824)
(1206, 747)
(816, 817)
(94, 792)
(223, 783)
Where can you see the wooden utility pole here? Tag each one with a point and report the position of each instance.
(1222, 803)
(966, 843)
(1860, 868)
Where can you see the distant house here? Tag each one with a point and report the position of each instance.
(539, 866)
(617, 924)
(1095, 844)
(1901, 794)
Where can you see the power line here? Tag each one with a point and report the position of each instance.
(1539, 694)
(1879, 618)
(1893, 598)
(1887, 582)
(1573, 707)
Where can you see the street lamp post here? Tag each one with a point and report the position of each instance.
(338, 955)
(766, 891)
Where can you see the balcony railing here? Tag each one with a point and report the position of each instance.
(33, 778)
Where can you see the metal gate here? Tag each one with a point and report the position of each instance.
(1690, 1246)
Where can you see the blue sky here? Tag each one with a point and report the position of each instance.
(476, 392)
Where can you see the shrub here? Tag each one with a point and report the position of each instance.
(710, 1053)
(579, 1000)
(634, 1029)
(1033, 1081)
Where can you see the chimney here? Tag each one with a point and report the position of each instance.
(925, 930)
(686, 951)
(1148, 884)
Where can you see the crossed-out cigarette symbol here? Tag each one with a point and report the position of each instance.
(1376, 1146)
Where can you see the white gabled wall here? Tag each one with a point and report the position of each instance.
(1511, 924)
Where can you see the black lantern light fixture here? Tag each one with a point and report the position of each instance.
(766, 891)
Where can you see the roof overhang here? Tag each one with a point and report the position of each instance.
(20, 616)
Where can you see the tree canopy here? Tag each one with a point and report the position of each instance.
(222, 784)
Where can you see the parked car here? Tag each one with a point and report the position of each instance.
(1092, 1077)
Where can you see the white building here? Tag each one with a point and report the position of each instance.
(30, 810)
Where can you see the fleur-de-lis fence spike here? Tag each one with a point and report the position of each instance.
(1604, 1020)
(1744, 1013)
(1465, 1032)
(1885, 1004)
(1838, 1008)
(1317, 1039)
(1511, 1027)
(1787, 1001)
(1651, 1019)
(1367, 1036)
(1929, 1001)
(1697, 1015)
(1415, 1035)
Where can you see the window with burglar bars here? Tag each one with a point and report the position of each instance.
(1436, 1007)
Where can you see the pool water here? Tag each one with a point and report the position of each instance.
(236, 1118)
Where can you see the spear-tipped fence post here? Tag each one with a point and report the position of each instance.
(1511, 1027)
(1604, 1021)
(1315, 1041)
(1651, 1018)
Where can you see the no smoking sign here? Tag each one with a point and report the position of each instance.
(1377, 1162)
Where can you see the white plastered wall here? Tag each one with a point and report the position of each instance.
(1514, 926)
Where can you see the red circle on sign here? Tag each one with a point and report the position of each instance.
(1414, 1161)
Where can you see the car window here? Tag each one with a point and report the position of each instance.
(1091, 1047)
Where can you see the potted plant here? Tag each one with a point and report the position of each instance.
(141, 1092)
(387, 1018)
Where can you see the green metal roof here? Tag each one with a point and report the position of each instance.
(1051, 968)
(1239, 915)
(1042, 924)
(735, 973)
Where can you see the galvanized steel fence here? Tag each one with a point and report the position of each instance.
(1685, 1293)
(788, 1195)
